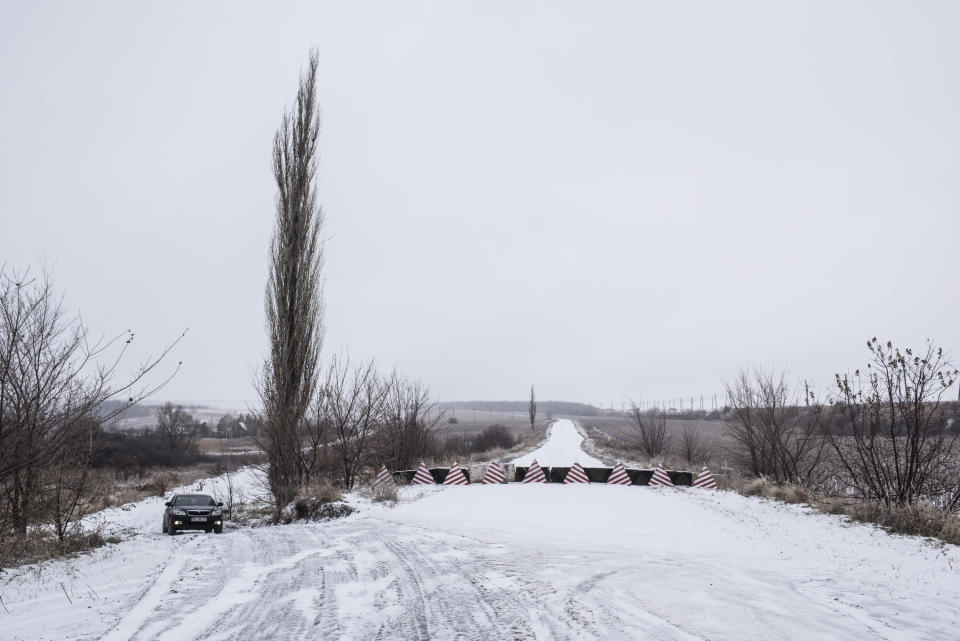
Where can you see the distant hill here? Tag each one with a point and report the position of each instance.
(556, 408)
(139, 410)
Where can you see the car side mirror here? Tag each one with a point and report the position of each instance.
(168, 504)
(219, 503)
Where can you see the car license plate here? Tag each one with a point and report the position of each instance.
(198, 519)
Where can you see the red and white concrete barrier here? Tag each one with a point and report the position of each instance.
(705, 480)
(455, 476)
(576, 475)
(534, 474)
(495, 474)
(423, 476)
(660, 478)
(619, 476)
(384, 478)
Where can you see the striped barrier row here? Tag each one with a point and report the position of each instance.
(496, 474)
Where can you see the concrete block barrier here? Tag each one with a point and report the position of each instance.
(556, 474)
(640, 477)
(680, 478)
(515, 473)
(439, 474)
(598, 474)
(477, 471)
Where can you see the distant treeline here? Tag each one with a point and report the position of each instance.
(140, 410)
(556, 408)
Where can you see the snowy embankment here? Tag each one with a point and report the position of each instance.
(508, 561)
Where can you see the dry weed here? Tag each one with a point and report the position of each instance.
(385, 494)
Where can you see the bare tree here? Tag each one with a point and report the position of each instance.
(533, 408)
(55, 381)
(650, 431)
(774, 436)
(408, 430)
(351, 403)
(894, 443)
(294, 297)
(691, 444)
(177, 426)
(69, 489)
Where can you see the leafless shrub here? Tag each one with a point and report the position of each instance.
(650, 431)
(41, 545)
(351, 402)
(465, 448)
(164, 482)
(494, 436)
(69, 492)
(774, 436)
(894, 441)
(385, 494)
(316, 502)
(690, 444)
(230, 494)
(323, 492)
(407, 431)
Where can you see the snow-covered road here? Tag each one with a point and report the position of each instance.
(509, 562)
(562, 449)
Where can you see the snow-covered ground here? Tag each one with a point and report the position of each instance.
(562, 449)
(505, 562)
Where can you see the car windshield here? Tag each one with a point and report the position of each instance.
(194, 499)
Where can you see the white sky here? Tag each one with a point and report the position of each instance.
(605, 199)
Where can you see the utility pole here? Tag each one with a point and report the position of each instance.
(806, 395)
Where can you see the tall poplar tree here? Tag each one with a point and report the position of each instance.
(294, 294)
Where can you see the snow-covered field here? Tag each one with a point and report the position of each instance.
(505, 562)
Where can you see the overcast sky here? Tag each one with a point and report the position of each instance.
(608, 200)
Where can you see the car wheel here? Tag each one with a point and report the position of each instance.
(163, 526)
(218, 530)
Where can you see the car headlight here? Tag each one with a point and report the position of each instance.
(178, 512)
(215, 513)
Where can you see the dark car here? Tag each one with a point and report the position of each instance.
(193, 512)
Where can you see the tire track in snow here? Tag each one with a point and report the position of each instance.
(130, 624)
(368, 579)
(302, 585)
